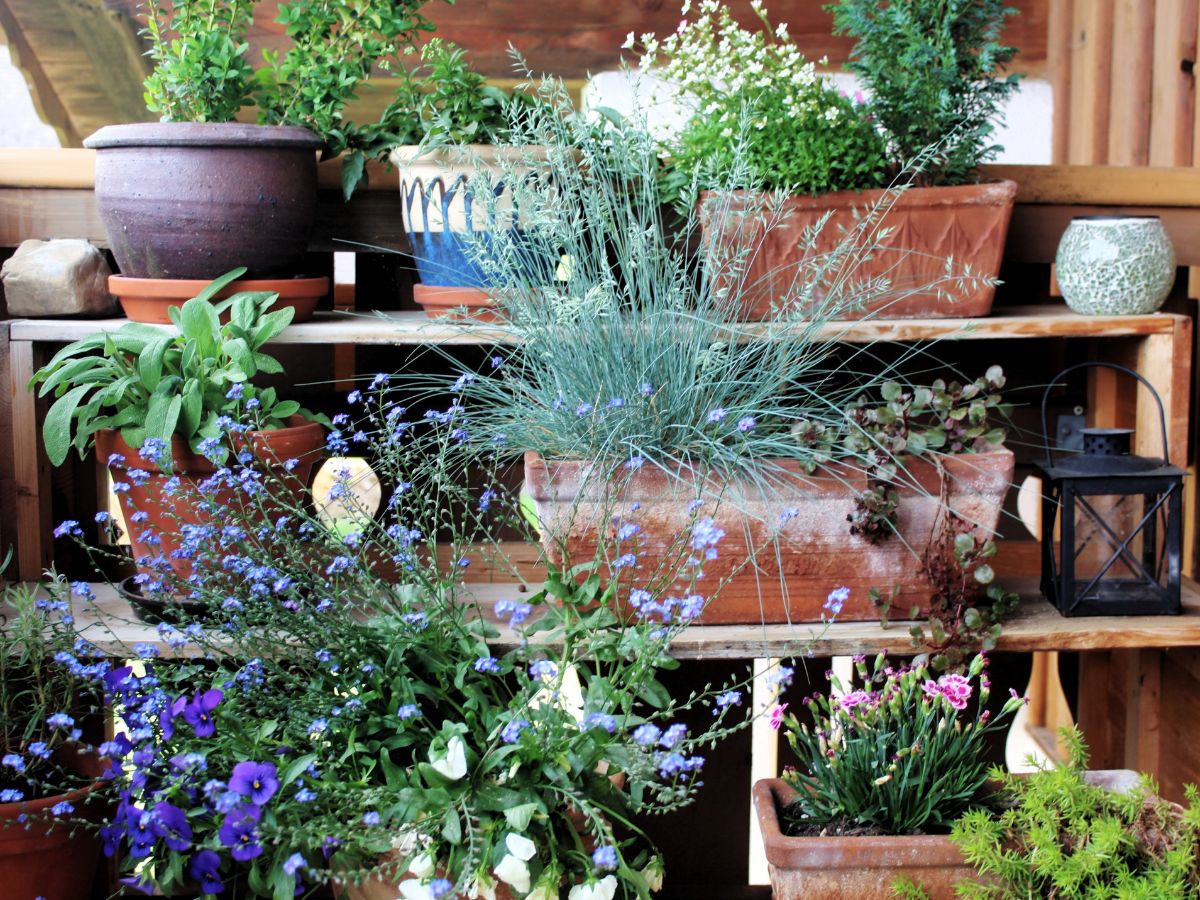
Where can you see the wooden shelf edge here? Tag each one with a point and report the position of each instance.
(111, 626)
(1049, 320)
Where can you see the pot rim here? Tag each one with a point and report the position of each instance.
(203, 134)
(1114, 219)
(187, 288)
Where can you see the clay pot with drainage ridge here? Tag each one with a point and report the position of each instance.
(148, 299)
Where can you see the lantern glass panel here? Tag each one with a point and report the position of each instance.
(1118, 544)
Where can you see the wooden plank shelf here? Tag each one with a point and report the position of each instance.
(1042, 321)
(109, 623)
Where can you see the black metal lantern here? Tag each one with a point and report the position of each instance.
(1111, 522)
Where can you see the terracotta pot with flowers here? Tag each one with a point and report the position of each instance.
(401, 740)
(49, 778)
(883, 772)
(167, 409)
(930, 69)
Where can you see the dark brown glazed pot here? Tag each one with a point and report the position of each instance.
(966, 223)
(791, 525)
(196, 199)
(824, 868)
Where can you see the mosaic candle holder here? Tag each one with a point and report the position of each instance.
(1115, 265)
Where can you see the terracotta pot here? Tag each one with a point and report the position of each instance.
(968, 223)
(302, 440)
(814, 868)
(194, 200)
(796, 532)
(148, 299)
(38, 862)
(461, 304)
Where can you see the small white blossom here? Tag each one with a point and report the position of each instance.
(513, 871)
(604, 889)
(453, 764)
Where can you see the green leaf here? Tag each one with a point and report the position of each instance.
(285, 408)
(150, 362)
(354, 169)
(56, 430)
(162, 416)
(984, 573)
(215, 286)
(193, 407)
(296, 768)
(198, 323)
(451, 827)
(237, 350)
(518, 816)
(890, 391)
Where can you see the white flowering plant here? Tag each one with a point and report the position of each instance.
(752, 93)
(347, 709)
(903, 753)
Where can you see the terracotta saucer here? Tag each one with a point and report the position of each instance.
(147, 299)
(463, 303)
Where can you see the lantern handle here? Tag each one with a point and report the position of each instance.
(1162, 415)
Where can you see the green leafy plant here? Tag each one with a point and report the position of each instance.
(453, 104)
(1061, 835)
(203, 73)
(897, 754)
(754, 95)
(150, 383)
(931, 67)
(330, 721)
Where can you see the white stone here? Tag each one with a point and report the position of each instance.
(66, 277)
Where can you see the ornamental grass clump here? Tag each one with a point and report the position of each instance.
(1060, 834)
(351, 710)
(902, 754)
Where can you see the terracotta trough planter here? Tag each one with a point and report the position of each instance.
(797, 532)
(967, 223)
(828, 868)
(302, 440)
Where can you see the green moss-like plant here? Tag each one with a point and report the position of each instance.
(1064, 837)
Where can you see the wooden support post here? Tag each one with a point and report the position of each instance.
(1129, 92)
(31, 469)
(1091, 75)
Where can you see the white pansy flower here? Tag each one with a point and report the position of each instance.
(453, 764)
(481, 887)
(604, 889)
(414, 890)
(543, 891)
(567, 695)
(520, 846)
(422, 866)
(653, 873)
(513, 871)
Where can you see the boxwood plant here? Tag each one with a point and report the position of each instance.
(150, 383)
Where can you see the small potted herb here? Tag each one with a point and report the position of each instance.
(930, 69)
(884, 770)
(166, 410)
(48, 776)
(198, 193)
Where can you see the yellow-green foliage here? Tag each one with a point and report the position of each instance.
(1063, 837)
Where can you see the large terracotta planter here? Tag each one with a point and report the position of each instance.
(967, 223)
(195, 200)
(40, 862)
(796, 532)
(816, 868)
(148, 299)
(159, 535)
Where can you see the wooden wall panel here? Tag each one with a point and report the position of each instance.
(1090, 78)
(1172, 105)
(1130, 85)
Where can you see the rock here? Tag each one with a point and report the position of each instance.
(57, 278)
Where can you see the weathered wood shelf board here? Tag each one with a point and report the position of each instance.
(417, 328)
(112, 627)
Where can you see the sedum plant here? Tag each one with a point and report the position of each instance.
(150, 384)
(203, 71)
(1061, 835)
(934, 70)
(902, 754)
(752, 93)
